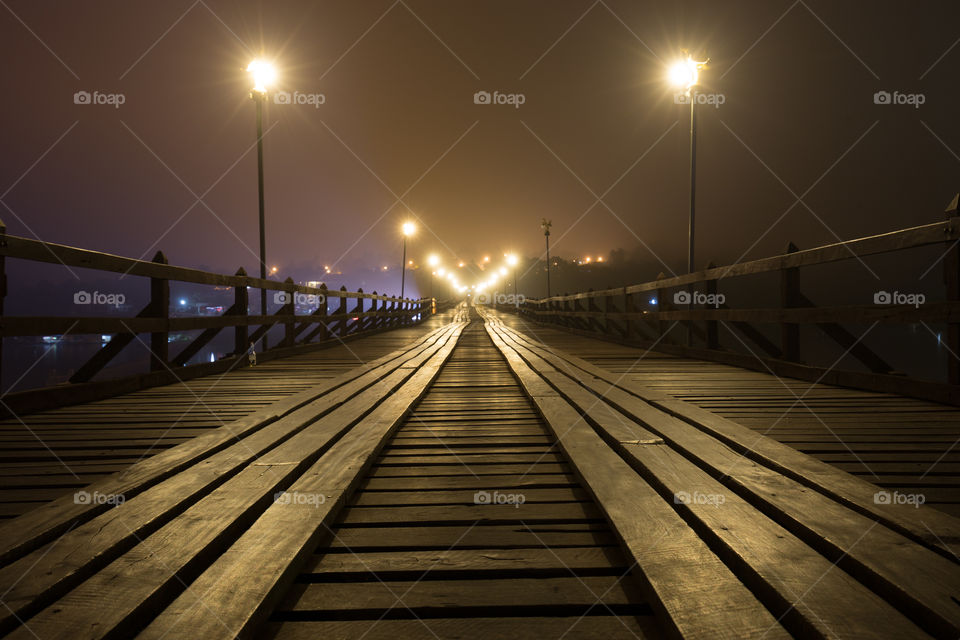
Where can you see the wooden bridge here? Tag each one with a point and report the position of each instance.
(574, 467)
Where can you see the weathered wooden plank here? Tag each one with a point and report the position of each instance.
(666, 549)
(438, 495)
(89, 547)
(492, 559)
(793, 580)
(355, 539)
(917, 580)
(473, 513)
(47, 522)
(533, 628)
(571, 591)
(937, 530)
(267, 557)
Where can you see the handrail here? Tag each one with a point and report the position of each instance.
(618, 314)
(53, 253)
(934, 233)
(369, 311)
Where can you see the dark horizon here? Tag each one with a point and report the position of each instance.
(798, 83)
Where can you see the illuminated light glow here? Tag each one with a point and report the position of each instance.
(183, 301)
(410, 262)
(461, 264)
(685, 74)
(503, 271)
(263, 75)
(587, 260)
(486, 258)
(441, 272)
(408, 228)
(512, 259)
(433, 261)
(599, 259)
(273, 269)
(385, 268)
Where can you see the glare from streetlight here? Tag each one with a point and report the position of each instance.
(433, 261)
(408, 228)
(684, 74)
(512, 259)
(503, 271)
(263, 75)
(441, 272)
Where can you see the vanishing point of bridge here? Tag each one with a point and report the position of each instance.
(569, 468)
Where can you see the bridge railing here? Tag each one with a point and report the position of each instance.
(351, 313)
(617, 314)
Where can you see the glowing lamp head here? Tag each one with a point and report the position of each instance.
(503, 271)
(441, 272)
(512, 260)
(263, 75)
(684, 74)
(434, 261)
(408, 228)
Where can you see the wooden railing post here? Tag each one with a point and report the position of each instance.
(289, 310)
(322, 311)
(160, 308)
(662, 305)
(241, 300)
(790, 298)
(713, 336)
(628, 308)
(375, 305)
(342, 312)
(358, 309)
(951, 267)
(3, 285)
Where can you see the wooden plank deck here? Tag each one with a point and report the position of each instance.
(385, 502)
(49, 454)
(901, 444)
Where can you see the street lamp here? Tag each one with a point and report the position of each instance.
(408, 228)
(545, 225)
(685, 75)
(512, 261)
(263, 76)
(433, 261)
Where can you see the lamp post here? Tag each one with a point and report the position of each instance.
(408, 228)
(433, 261)
(263, 75)
(512, 261)
(545, 225)
(685, 75)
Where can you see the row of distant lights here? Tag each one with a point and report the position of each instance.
(511, 259)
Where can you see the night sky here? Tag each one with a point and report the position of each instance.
(598, 146)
